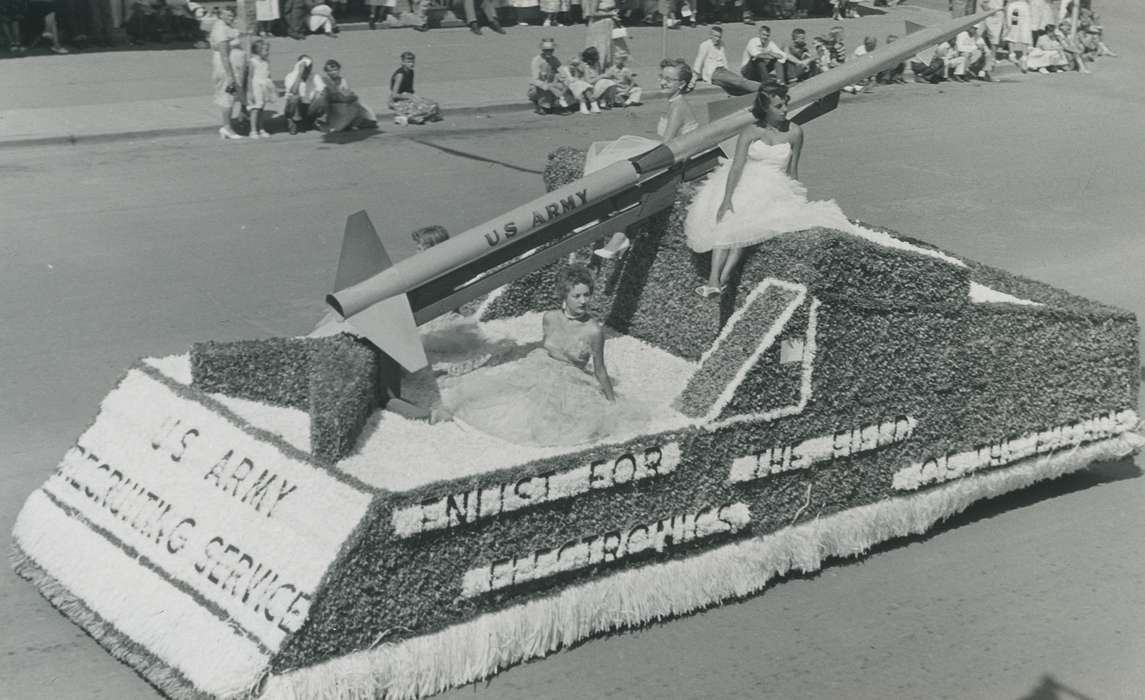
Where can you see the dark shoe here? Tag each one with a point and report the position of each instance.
(496, 26)
(420, 28)
(296, 35)
(474, 28)
(292, 126)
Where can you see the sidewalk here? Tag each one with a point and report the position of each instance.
(96, 96)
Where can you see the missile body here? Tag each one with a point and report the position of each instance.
(470, 245)
(590, 191)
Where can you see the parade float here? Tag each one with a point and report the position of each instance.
(253, 519)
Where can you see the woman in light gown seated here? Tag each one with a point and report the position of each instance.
(676, 80)
(549, 397)
(756, 195)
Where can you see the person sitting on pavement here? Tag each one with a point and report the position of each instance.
(836, 47)
(547, 91)
(300, 91)
(261, 92)
(627, 92)
(336, 107)
(1047, 55)
(929, 65)
(761, 56)
(802, 63)
(585, 82)
(893, 74)
(321, 21)
(408, 107)
(976, 56)
(711, 55)
(228, 65)
(870, 43)
(711, 65)
(1071, 47)
(1090, 31)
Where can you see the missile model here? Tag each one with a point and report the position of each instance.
(385, 299)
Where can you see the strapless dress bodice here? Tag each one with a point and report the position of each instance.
(776, 155)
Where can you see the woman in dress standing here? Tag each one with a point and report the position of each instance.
(228, 63)
(266, 12)
(601, 17)
(757, 195)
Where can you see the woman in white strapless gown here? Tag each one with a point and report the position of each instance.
(756, 195)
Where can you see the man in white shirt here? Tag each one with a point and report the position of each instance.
(977, 59)
(711, 55)
(711, 64)
(761, 56)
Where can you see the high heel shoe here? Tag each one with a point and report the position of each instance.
(707, 291)
(225, 133)
(617, 246)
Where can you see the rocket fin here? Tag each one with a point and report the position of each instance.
(912, 27)
(362, 253)
(389, 324)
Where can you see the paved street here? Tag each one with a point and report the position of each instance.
(137, 247)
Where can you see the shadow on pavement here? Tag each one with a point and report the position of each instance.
(1050, 689)
(1089, 477)
(474, 156)
(341, 138)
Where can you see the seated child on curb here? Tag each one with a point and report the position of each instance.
(627, 93)
(408, 107)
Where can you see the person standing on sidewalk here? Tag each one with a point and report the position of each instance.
(228, 65)
(295, 12)
(489, 9)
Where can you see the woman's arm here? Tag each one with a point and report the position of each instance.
(598, 367)
(745, 138)
(796, 150)
(676, 118)
(222, 46)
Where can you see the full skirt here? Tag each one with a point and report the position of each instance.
(765, 204)
(539, 401)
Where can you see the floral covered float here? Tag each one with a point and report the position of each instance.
(244, 521)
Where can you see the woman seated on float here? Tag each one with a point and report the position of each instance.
(756, 196)
(676, 80)
(549, 397)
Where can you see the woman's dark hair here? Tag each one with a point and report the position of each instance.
(408, 54)
(570, 277)
(590, 55)
(332, 64)
(770, 87)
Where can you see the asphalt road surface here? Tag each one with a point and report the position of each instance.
(114, 251)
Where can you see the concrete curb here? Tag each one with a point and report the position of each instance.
(86, 139)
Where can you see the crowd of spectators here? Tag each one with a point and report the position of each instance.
(971, 55)
(56, 24)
